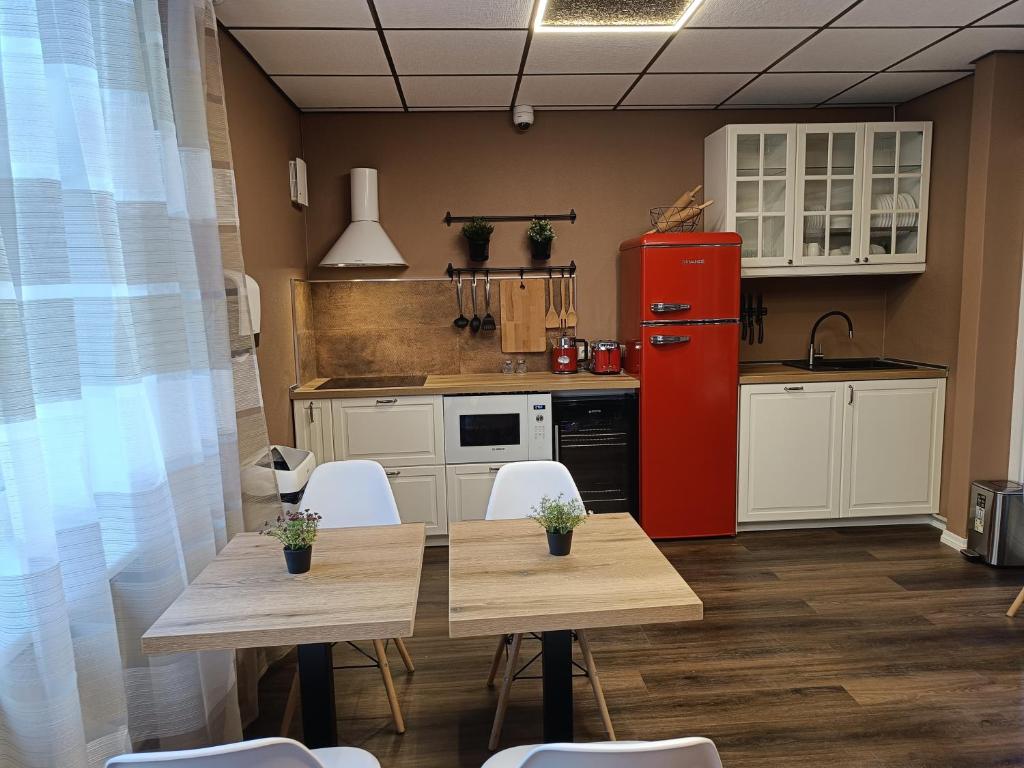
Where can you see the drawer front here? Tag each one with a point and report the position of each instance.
(469, 489)
(395, 431)
(421, 497)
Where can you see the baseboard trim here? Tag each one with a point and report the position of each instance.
(950, 539)
(845, 522)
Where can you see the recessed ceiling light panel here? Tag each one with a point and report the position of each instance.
(614, 15)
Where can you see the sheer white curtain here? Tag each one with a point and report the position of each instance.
(119, 412)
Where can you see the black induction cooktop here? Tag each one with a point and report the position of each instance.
(374, 382)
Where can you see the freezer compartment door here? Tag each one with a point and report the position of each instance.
(690, 283)
(688, 403)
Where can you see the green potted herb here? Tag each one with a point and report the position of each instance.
(478, 233)
(296, 531)
(558, 517)
(540, 234)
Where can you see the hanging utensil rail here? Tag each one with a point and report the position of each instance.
(454, 272)
(570, 217)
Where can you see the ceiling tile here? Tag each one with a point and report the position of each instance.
(455, 13)
(294, 13)
(767, 13)
(913, 13)
(857, 50)
(794, 88)
(335, 92)
(726, 50)
(592, 52)
(446, 52)
(1011, 14)
(895, 87)
(960, 49)
(316, 51)
(684, 89)
(480, 91)
(569, 90)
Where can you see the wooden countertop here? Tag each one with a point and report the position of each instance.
(474, 383)
(778, 373)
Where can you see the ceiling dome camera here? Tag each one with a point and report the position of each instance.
(522, 117)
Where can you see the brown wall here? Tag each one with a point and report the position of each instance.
(612, 167)
(922, 317)
(264, 137)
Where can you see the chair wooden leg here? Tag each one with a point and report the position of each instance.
(595, 682)
(389, 685)
(1016, 604)
(404, 653)
(290, 705)
(496, 661)
(506, 685)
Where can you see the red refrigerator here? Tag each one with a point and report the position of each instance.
(679, 316)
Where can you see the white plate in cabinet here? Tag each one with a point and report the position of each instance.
(469, 488)
(892, 447)
(420, 496)
(789, 460)
(314, 429)
(395, 431)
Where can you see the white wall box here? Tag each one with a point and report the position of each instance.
(821, 198)
(820, 451)
(395, 431)
(469, 488)
(314, 428)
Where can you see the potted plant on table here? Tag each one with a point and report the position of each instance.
(540, 234)
(296, 531)
(559, 517)
(477, 232)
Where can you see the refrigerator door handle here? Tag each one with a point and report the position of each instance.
(660, 307)
(659, 340)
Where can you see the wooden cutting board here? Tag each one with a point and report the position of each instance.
(522, 316)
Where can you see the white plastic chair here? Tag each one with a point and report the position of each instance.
(259, 753)
(691, 752)
(354, 494)
(517, 488)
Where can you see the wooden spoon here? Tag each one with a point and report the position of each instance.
(563, 305)
(551, 318)
(570, 316)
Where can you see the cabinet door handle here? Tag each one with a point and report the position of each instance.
(660, 307)
(310, 407)
(660, 341)
(387, 401)
(557, 454)
(793, 389)
(850, 401)
(494, 468)
(393, 472)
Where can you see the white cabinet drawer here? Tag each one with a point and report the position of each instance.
(395, 431)
(469, 488)
(421, 497)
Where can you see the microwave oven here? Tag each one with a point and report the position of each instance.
(490, 428)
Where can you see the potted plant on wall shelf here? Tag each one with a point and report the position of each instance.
(559, 517)
(540, 234)
(296, 531)
(477, 232)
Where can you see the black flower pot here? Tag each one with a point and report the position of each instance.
(540, 249)
(298, 560)
(479, 250)
(559, 543)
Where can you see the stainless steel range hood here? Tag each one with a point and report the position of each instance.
(364, 243)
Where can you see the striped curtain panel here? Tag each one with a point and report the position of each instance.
(131, 423)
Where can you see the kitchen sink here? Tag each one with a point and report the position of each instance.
(851, 364)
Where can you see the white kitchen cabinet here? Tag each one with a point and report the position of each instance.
(892, 447)
(821, 198)
(789, 454)
(314, 429)
(421, 496)
(469, 488)
(395, 431)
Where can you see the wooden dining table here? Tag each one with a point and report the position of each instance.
(503, 581)
(363, 585)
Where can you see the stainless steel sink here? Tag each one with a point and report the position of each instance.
(851, 364)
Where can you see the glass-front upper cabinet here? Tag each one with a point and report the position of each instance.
(828, 193)
(895, 196)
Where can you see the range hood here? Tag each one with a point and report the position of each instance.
(364, 243)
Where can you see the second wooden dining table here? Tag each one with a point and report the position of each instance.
(503, 581)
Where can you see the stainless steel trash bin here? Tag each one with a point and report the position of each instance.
(995, 523)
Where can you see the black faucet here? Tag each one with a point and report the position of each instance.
(814, 330)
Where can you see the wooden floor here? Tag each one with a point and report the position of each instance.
(859, 647)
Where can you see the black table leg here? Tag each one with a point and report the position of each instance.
(316, 684)
(557, 670)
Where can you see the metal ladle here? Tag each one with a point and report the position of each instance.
(488, 323)
(474, 324)
(461, 321)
